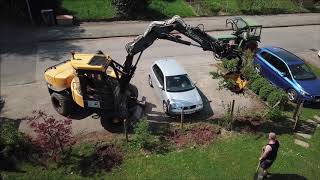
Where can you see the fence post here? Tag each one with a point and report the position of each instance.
(297, 112)
(181, 118)
(125, 130)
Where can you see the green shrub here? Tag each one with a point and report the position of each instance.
(250, 73)
(230, 65)
(275, 114)
(172, 7)
(226, 83)
(277, 95)
(215, 75)
(14, 146)
(256, 85)
(10, 138)
(265, 91)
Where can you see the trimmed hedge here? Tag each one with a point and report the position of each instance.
(265, 91)
(276, 96)
(256, 85)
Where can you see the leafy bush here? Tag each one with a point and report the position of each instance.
(227, 83)
(250, 73)
(215, 75)
(230, 65)
(256, 85)
(13, 142)
(265, 91)
(14, 146)
(277, 95)
(128, 8)
(53, 137)
(144, 139)
(275, 114)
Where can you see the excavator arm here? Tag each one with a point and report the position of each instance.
(163, 30)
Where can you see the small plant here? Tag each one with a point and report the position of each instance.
(277, 95)
(265, 91)
(227, 116)
(215, 75)
(275, 114)
(226, 83)
(258, 84)
(230, 65)
(143, 138)
(53, 137)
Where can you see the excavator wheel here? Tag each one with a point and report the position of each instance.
(61, 103)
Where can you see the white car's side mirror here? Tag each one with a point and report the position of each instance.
(160, 86)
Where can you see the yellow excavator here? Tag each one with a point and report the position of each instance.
(96, 81)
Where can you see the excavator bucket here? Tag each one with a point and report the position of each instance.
(240, 81)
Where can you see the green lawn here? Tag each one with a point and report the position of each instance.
(85, 10)
(90, 9)
(234, 157)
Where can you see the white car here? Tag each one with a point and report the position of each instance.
(174, 88)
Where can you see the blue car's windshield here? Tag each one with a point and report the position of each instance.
(178, 83)
(301, 72)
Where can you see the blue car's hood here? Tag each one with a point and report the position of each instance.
(310, 86)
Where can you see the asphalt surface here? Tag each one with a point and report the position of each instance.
(24, 89)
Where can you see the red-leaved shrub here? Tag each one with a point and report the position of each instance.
(53, 137)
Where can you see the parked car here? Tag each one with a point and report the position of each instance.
(289, 72)
(174, 87)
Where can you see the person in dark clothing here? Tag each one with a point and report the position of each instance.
(269, 154)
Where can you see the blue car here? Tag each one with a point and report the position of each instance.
(288, 72)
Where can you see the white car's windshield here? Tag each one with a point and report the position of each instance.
(301, 72)
(178, 83)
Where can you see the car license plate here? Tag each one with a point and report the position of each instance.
(189, 112)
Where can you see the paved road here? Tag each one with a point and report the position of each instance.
(24, 89)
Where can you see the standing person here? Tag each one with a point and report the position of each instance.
(269, 154)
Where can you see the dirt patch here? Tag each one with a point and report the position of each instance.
(95, 137)
(202, 134)
(248, 123)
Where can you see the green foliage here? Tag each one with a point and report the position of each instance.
(230, 65)
(129, 8)
(144, 139)
(10, 139)
(265, 91)
(226, 83)
(172, 7)
(277, 95)
(252, 6)
(256, 85)
(215, 75)
(90, 9)
(248, 70)
(275, 114)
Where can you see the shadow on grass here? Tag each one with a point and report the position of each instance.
(277, 176)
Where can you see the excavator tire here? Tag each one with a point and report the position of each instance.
(61, 103)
